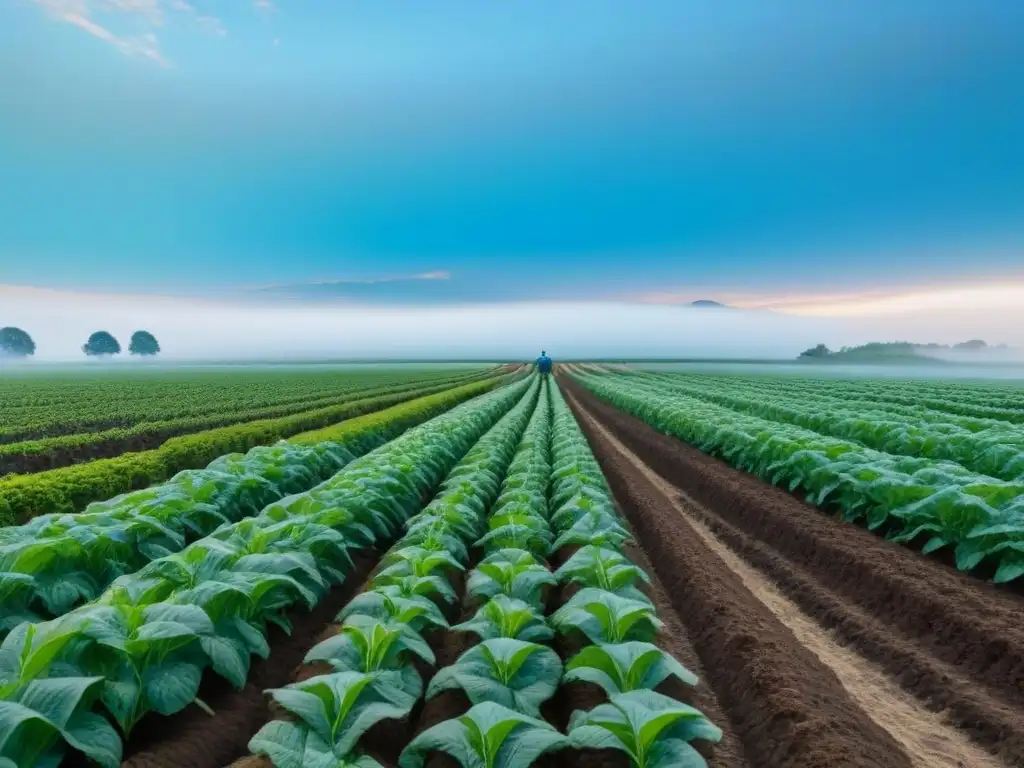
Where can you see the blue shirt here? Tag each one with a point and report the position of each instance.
(544, 364)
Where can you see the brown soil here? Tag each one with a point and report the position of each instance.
(193, 739)
(950, 641)
(785, 705)
(675, 640)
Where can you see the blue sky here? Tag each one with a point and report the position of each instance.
(433, 153)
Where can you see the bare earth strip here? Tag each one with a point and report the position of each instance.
(929, 738)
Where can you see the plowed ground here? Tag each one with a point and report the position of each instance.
(820, 643)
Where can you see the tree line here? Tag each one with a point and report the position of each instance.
(15, 342)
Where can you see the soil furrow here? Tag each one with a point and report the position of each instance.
(955, 618)
(675, 640)
(787, 707)
(994, 725)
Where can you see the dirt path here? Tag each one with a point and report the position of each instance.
(930, 741)
(942, 648)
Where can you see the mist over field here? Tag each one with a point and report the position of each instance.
(192, 329)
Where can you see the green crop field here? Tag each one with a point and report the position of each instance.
(402, 565)
(939, 462)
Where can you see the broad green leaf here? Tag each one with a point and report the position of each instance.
(643, 724)
(171, 686)
(623, 667)
(488, 736)
(513, 673)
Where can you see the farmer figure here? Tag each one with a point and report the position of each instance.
(544, 364)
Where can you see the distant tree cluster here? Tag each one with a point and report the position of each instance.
(15, 342)
(102, 343)
(890, 350)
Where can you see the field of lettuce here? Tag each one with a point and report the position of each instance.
(491, 569)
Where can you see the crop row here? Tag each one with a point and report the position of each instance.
(938, 503)
(986, 393)
(997, 450)
(984, 402)
(372, 670)
(54, 562)
(52, 452)
(70, 489)
(804, 389)
(143, 645)
(57, 405)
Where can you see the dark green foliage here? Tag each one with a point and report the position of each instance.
(101, 343)
(819, 351)
(16, 343)
(69, 489)
(143, 343)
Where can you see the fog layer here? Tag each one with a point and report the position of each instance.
(60, 322)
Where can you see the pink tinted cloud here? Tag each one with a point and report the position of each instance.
(142, 17)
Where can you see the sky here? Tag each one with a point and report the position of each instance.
(855, 167)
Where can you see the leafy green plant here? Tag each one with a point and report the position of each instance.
(17, 593)
(455, 521)
(581, 502)
(623, 667)
(364, 644)
(488, 736)
(333, 713)
(603, 568)
(533, 538)
(653, 730)
(604, 617)
(418, 561)
(516, 674)
(387, 606)
(148, 655)
(39, 716)
(411, 586)
(504, 616)
(523, 579)
(594, 528)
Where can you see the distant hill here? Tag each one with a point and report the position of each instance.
(708, 304)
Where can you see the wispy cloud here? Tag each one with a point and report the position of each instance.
(437, 275)
(423, 286)
(130, 26)
(145, 45)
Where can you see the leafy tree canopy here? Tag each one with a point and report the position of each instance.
(16, 343)
(143, 343)
(819, 351)
(101, 343)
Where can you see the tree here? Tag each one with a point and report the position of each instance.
(819, 351)
(144, 343)
(101, 343)
(15, 342)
